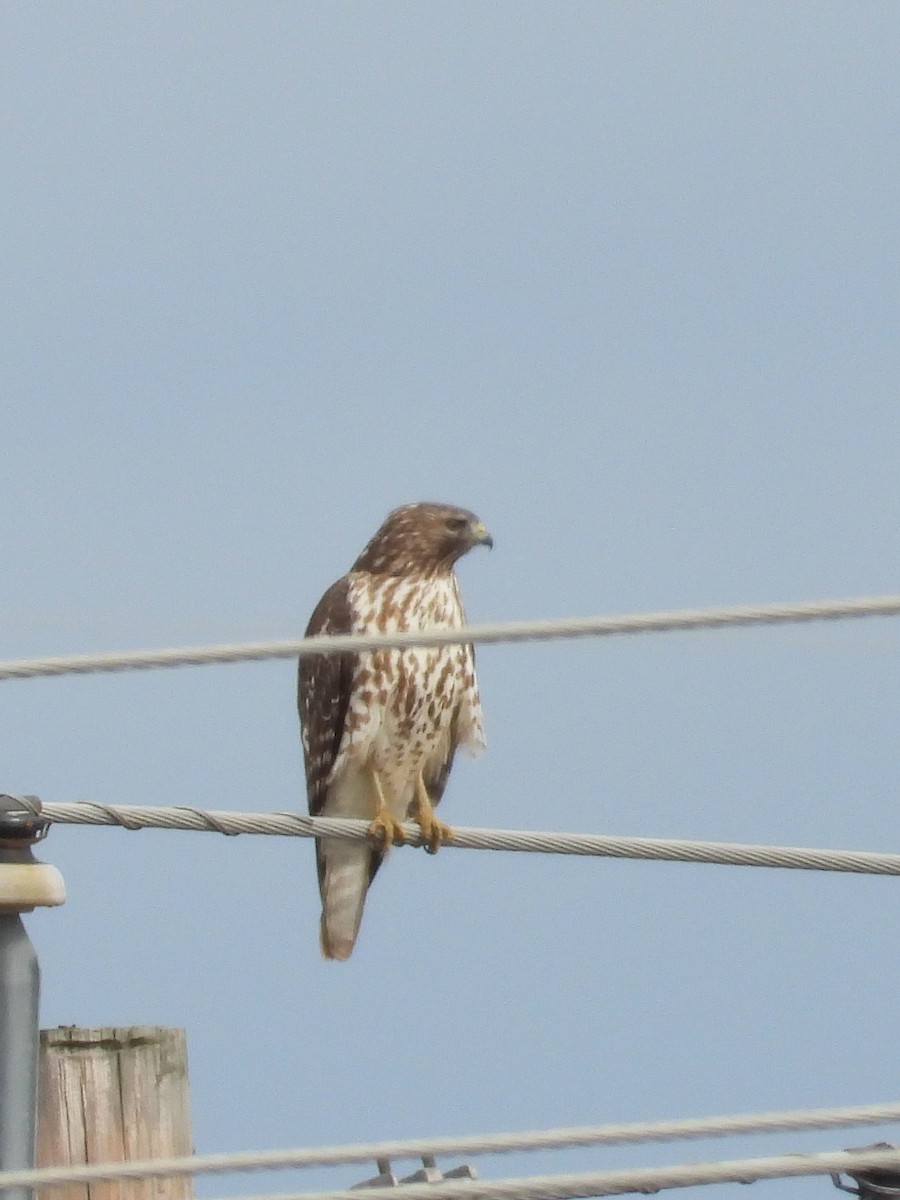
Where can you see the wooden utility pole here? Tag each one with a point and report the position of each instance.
(113, 1095)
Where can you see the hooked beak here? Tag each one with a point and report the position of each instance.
(481, 537)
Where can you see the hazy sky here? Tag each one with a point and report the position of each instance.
(623, 278)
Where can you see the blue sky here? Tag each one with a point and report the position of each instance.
(623, 279)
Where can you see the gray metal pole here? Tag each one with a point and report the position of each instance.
(19, 990)
(24, 885)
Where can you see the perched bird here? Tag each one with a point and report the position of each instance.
(380, 728)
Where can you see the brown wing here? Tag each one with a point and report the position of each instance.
(324, 682)
(323, 693)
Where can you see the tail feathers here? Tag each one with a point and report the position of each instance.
(345, 882)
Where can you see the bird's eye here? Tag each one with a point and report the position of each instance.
(456, 524)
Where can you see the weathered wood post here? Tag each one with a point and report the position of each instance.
(114, 1095)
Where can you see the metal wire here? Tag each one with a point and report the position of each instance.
(512, 631)
(280, 824)
(613, 1183)
(554, 1187)
(446, 1147)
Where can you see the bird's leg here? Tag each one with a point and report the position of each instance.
(385, 827)
(434, 832)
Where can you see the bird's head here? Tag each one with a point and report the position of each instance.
(418, 537)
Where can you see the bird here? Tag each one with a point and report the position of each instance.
(380, 728)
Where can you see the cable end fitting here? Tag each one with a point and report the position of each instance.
(22, 822)
(872, 1183)
(25, 883)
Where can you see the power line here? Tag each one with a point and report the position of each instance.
(511, 631)
(612, 1183)
(283, 824)
(795, 1120)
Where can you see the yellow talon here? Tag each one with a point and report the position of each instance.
(385, 827)
(434, 832)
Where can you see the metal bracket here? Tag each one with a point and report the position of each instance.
(429, 1172)
(872, 1183)
(21, 820)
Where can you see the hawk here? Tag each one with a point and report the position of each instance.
(380, 729)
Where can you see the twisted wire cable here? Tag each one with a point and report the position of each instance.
(509, 631)
(283, 824)
(693, 1128)
(615, 1183)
